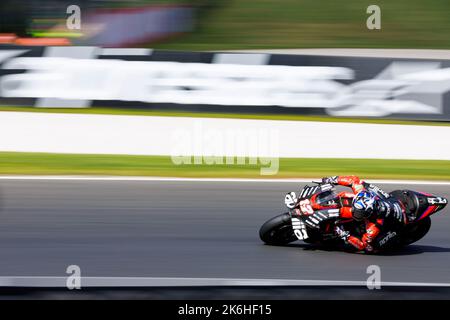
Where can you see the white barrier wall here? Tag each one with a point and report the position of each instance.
(141, 135)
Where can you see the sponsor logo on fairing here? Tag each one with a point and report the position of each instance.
(326, 187)
(378, 191)
(333, 213)
(299, 229)
(290, 200)
(389, 236)
(437, 200)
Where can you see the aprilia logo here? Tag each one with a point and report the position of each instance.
(388, 237)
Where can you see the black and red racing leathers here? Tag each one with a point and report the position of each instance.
(388, 213)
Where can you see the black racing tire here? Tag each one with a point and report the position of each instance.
(278, 230)
(416, 231)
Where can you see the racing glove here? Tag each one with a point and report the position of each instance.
(330, 180)
(341, 233)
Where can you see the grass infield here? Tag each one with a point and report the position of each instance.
(18, 163)
(258, 116)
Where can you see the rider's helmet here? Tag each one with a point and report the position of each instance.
(363, 205)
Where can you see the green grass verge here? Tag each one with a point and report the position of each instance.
(149, 112)
(264, 24)
(16, 163)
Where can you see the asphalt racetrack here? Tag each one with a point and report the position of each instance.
(183, 229)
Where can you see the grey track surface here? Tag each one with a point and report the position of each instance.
(184, 229)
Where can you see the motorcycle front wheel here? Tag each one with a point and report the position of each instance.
(278, 230)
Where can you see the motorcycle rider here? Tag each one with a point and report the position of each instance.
(382, 213)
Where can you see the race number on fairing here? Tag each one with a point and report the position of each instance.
(305, 207)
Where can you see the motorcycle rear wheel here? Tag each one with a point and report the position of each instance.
(415, 231)
(278, 230)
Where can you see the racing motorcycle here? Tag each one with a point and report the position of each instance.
(321, 203)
